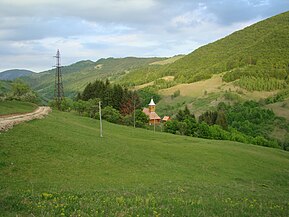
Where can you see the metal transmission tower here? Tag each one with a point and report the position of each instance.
(58, 89)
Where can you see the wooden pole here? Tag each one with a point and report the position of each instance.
(134, 112)
(154, 124)
(100, 121)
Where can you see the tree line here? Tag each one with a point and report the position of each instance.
(243, 122)
(119, 105)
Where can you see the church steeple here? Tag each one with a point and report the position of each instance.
(152, 106)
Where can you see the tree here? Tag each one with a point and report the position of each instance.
(221, 120)
(141, 119)
(185, 114)
(111, 115)
(80, 106)
(92, 107)
(171, 126)
(19, 88)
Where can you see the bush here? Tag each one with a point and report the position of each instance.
(111, 115)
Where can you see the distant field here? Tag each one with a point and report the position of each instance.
(280, 108)
(204, 95)
(12, 107)
(59, 166)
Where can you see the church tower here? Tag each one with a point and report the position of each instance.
(152, 106)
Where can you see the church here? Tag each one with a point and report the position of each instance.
(151, 113)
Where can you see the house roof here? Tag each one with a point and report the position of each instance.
(166, 118)
(152, 102)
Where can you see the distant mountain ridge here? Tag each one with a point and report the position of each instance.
(14, 73)
(255, 58)
(78, 75)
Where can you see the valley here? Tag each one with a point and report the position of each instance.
(221, 151)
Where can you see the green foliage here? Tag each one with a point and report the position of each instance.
(141, 119)
(66, 104)
(246, 123)
(279, 97)
(260, 84)
(115, 96)
(111, 115)
(185, 114)
(145, 96)
(5, 88)
(19, 88)
(141, 75)
(20, 91)
(250, 119)
(214, 117)
(80, 106)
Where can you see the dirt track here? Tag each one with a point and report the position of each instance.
(7, 123)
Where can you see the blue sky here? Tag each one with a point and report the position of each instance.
(31, 31)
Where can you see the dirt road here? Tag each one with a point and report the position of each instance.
(7, 123)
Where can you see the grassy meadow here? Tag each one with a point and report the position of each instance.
(59, 166)
(13, 107)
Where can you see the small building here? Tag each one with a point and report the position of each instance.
(166, 118)
(151, 113)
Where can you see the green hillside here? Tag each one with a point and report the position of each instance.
(59, 166)
(5, 87)
(257, 58)
(14, 73)
(78, 75)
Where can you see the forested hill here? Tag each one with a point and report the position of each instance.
(78, 75)
(258, 51)
(14, 73)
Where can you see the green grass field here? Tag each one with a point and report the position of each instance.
(59, 166)
(13, 107)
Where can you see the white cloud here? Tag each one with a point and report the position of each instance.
(32, 30)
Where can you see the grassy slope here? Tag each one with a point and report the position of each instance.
(168, 61)
(280, 108)
(61, 166)
(12, 107)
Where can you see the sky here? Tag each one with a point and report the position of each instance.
(31, 31)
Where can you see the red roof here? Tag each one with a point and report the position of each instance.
(152, 115)
(166, 118)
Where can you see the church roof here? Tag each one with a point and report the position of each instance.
(152, 115)
(152, 102)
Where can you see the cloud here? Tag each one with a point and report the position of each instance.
(32, 30)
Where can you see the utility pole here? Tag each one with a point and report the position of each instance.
(134, 111)
(58, 88)
(154, 124)
(100, 121)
